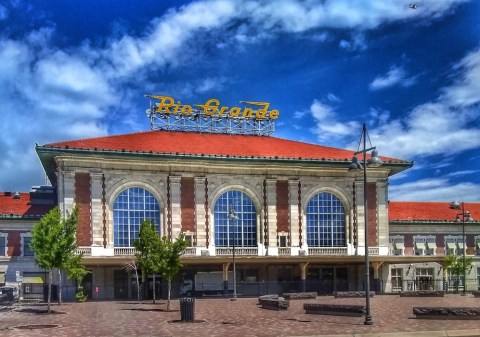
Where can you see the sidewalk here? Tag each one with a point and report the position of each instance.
(392, 316)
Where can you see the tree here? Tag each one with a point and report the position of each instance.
(77, 272)
(53, 242)
(455, 267)
(133, 266)
(170, 263)
(147, 251)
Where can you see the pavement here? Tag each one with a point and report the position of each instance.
(392, 317)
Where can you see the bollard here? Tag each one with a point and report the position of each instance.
(187, 309)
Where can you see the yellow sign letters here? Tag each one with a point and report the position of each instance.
(212, 107)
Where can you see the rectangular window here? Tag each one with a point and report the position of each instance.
(397, 279)
(27, 251)
(397, 245)
(477, 245)
(431, 246)
(189, 240)
(282, 241)
(419, 244)
(3, 248)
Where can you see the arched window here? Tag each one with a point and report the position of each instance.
(244, 230)
(325, 221)
(131, 207)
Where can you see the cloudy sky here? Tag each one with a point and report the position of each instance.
(80, 68)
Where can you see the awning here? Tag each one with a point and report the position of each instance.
(451, 245)
(460, 245)
(431, 245)
(33, 280)
(399, 245)
(419, 245)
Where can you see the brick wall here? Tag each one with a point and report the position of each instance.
(187, 203)
(282, 206)
(83, 200)
(14, 242)
(372, 214)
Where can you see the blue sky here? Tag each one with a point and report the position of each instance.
(78, 69)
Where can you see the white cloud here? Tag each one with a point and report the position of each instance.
(395, 76)
(434, 190)
(447, 126)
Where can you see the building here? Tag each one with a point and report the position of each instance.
(298, 224)
(18, 214)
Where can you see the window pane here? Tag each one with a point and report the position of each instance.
(131, 207)
(325, 221)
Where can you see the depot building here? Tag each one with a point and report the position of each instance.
(298, 221)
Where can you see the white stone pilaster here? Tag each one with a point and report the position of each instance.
(200, 228)
(96, 208)
(293, 213)
(175, 206)
(271, 190)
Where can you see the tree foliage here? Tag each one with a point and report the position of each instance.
(53, 242)
(170, 263)
(455, 267)
(147, 250)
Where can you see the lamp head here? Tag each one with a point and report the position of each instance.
(355, 164)
(375, 160)
(455, 205)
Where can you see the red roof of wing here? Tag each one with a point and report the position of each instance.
(21, 207)
(174, 142)
(428, 211)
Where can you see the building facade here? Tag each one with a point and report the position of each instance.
(298, 224)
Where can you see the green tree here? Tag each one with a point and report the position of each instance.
(53, 242)
(455, 267)
(170, 264)
(147, 251)
(77, 272)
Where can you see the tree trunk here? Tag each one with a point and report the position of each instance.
(154, 288)
(169, 288)
(138, 284)
(59, 290)
(49, 290)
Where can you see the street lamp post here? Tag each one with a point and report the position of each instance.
(465, 217)
(374, 161)
(233, 217)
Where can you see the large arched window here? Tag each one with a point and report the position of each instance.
(244, 230)
(325, 221)
(131, 207)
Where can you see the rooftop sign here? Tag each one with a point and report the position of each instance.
(253, 118)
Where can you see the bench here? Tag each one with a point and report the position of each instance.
(299, 296)
(447, 312)
(423, 293)
(351, 294)
(273, 302)
(334, 309)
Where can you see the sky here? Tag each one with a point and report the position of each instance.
(81, 68)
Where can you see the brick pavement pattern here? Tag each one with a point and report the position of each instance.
(223, 317)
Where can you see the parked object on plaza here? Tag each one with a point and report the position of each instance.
(447, 312)
(423, 293)
(8, 294)
(299, 296)
(187, 309)
(206, 283)
(334, 309)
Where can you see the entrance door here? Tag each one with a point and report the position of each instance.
(120, 284)
(326, 280)
(87, 285)
(341, 279)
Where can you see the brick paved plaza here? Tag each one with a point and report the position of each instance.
(222, 317)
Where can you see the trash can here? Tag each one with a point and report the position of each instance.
(187, 309)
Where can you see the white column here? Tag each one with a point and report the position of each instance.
(175, 206)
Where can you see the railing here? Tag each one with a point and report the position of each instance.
(124, 251)
(282, 251)
(327, 251)
(86, 251)
(238, 251)
(190, 251)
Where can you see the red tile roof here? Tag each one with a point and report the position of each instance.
(428, 211)
(192, 143)
(21, 207)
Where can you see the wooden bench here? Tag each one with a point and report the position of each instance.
(423, 293)
(447, 312)
(273, 303)
(299, 296)
(351, 294)
(334, 309)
